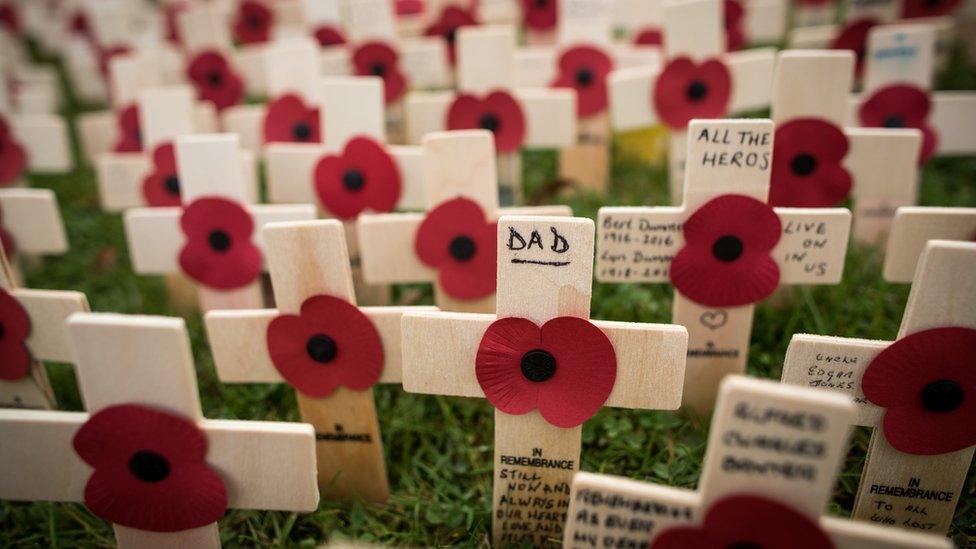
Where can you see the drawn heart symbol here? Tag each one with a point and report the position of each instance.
(714, 319)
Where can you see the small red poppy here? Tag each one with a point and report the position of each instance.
(735, 36)
(927, 384)
(150, 471)
(854, 37)
(685, 90)
(928, 8)
(379, 59)
(252, 23)
(13, 157)
(409, 7)
(566, 369)
(540, 15)
(10, 18)
(171, 13)
(901, 106)
(329, 35)
(15, 327)
(498, 112)
(725, 261)
(130, 135)
(78, 25)
(7, 243)
(331, 343)
(807, 168)
(747, 521)
(585, 69)
(289, 120)
(162, 186)
(649, 36)
(458, 240)
(215, 80)
(363, 177)
(218, 252)
(451, 19)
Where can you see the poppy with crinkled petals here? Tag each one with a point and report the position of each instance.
(380, 59)
(686, 90)
(289, 120)
(457, 239)
(252, 23)
(498, 112)
(150, 470)
(854, 37)
(585, 69)
(13, 157)
(926, 383)
(747, 521)
(130, 135)
(15, 328)
(215, 80)
(566, 368)
(726, 261)
(219, 252)
(363, 177)
(735, 36)
(329, 35)
(911, 9)
(10, 18)
(451, 19)
(808, 170)
(540, 15)
(649, 36)
(901, 106)
(331, 343)
(161, 187)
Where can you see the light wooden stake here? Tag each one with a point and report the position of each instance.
(914, 226)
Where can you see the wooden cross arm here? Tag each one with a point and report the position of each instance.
(34, 220)
(855, 534)
(913, 227)
(952, 116)
(41, 466)
(45, 138)
(813, 246)
(48, 310)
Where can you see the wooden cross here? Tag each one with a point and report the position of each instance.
(770, 445)
(43, 136)
(147, 361)
(913, 227)
(639, 244)
(307, 260)
(901, 489)
(544, 277)
(455, 164)
(31, 221)
(208, 167)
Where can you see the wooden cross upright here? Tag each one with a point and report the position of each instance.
(43, 137)
(209, 170)
(308, 262)
(728, 167)
(145, 363)
(917, 486)
(544, 279)
(913, 227)
(457, 165)
(772, 459)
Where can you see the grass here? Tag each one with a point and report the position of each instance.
(439, 450)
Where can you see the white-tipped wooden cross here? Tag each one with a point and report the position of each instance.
(770, 441)
(638, 244)
(147, 361)
(547, 278)
(897, 488)
(309, 259)
(913, 227)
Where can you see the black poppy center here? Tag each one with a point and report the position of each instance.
(301, 131)
(450, 35)
(538, 365)
(1, 331)
(353, 180)
(378, 69)
(462, 248)
(727, 248)
(490, 122)
(321, 348)
(172, 185)
(540, 4)
(219, 240)
(584, 77)
(942, 396)
(215, 78)
(894, 121)
(148, 466)
(696, 91)
(932, 3)
(803, 164)
(744, 545)
(255, 21)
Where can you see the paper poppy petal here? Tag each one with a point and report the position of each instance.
(449, 219)
(15, 328)
(498, 365)
(685, 90)
(468, 271)
(214, 79)
(807, 170)
(376, 176)
(289, 120)
(380, 59)
(13, 158)
(219, 252)
(130, 136)
(734, 31)
(498, 112)
(540, 15)
(585, 69)
(161, 188)
(928, 8)
(253, 23)
(328, 35)
(854, 37)
(651, 36)
(451, 19)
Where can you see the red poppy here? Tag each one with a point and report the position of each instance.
(901, 106)
(79, 26)
(854, 37)
(927, 384)
(130, 135)
(458, 240)
(252, 24)
(379, 59)
(540, 15)
(329, 35)
(747, 521)
(218, 252)
(735, 36)
(807, 168)
(566, 369)
(331, 343)
(498, 113)
(10, 18)
(162, 186)
(685, 90)
(409, 7)
(150, 471)
(928, 8)
(7, 243)
(215, 80)
(363, 177)
(289, 120)
(171, 13)
(725, 261)
(15, 327)
(451, 19)
(649, 36)
(585, 69)
(13, 158)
